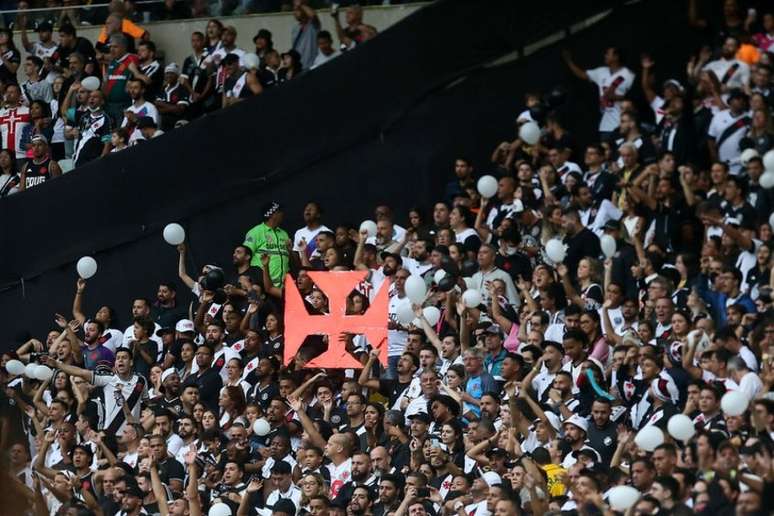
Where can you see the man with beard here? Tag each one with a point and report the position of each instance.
(117, 389)
(266, 386)
(575, 431)
(170, 470)
(141, 307)
(93, 131)
(394, 388)
(131, 501)
(187, 431)
(602, 432)
(232, 484)
(214, 338)
(242, 258)
(389, 489)
(95, 353)
(166, 309)
(138, 109)
(362, 477)
(170, 387)
(279, 451)
(208, 379)
(361, 502)
(163, 427)
(130, 442)
(355, 404)
(418, 261)
(428, 384)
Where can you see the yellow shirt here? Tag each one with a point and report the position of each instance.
(555, 485)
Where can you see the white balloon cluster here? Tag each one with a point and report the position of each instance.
(32, 371)
(767, 179)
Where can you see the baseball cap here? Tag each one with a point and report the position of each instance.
(134, 490)
(494, 329)
(664, 388)
(422, 416)
(578, 421)
(185, 325)
(172, 68)
(39, 138)
(492, 479)
(164, 331)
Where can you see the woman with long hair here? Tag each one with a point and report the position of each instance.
(589, 276)
(273, 339)
(551, 227)
(40, 124)
(598, 346)
(9, 179)
(187, 355)
(232, 404)
(374, 426)
(453, 442)
(311, 484)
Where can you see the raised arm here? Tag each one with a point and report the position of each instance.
(569, 289)
(647, 78)
(365, 380)
(576, 70)
(68, 369)
(78, 314)
(306, 422)
(182, 273)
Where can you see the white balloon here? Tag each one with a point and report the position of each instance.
(487, 186)
(369, 226)
(439, 275)
(734, 403)
(29, 370)
(529, 133)
(556, 250)
(768, 161)
(43, 373)
(621, 498)
(471, 298)
(649, 437)
(404, 312)
(771, 219)
(90, 83)
(767, 179)
(261, 427)
(219, 509)
(87, 267)
(174, 234)
(747, 155)
(432, 315)
(14, 367)
(416, 289)
(607, 243)
(681, 427)
(252, 61)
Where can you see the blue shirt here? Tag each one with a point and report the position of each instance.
(476, 386)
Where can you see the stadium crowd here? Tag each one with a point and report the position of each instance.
(78, 100)
(530, 379)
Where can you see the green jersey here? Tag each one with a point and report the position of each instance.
(263, 239)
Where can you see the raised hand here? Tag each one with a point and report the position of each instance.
(80, 285)
(60, 321)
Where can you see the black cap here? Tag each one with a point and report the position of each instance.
(612, 225)
(422, 416)
(134, 490)
(164, 331)
(45, 27)
(145, 122)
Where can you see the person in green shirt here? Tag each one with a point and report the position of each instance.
(268, 238)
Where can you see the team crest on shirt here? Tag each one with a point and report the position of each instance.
(335, 419)
(608, 441)
(276, 345)
(265, 396)
(345, 475)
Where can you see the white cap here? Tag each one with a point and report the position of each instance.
(184, 325)
(167, 373)
(578, 421)
(492, 479)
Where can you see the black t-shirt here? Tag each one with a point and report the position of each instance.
(82, 45)
(95, 129)
(6, 75)
(209, 383)
(195, 73)
(171, 469)
(393, 388)
(515, 265)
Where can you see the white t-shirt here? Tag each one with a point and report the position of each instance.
(739, 78)
(144, 109)
(751, 385)
(309, 235)
(340, 475)
(396, 339)
(603, 78)
(728, 151)
(321, 58)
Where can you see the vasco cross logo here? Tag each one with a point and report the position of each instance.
(336, 286)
